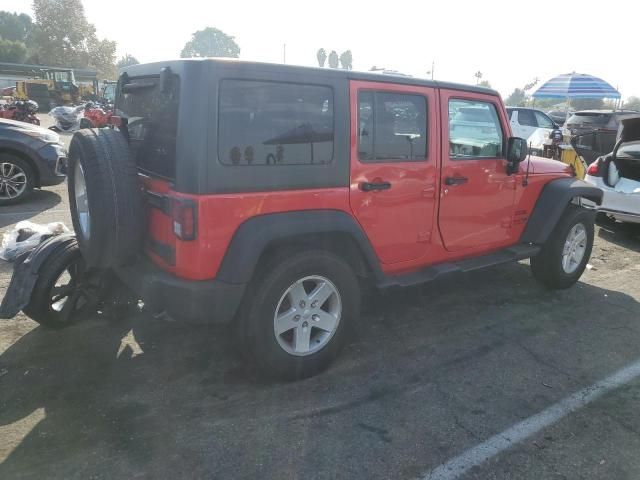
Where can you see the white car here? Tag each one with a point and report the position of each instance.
(618, 175)
(532, 125)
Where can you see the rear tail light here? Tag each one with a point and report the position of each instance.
(184, 217)
(594, 168)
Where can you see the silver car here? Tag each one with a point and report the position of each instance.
(618, 175)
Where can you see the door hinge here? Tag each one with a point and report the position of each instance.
(424, 237)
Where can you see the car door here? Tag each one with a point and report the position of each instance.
(477, 196)
(394, 147)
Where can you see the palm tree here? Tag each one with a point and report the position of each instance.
(333, 59)
(321, 55)
(346, 60)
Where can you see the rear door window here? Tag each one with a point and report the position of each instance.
(273, 123)
(152, 123)
(391, 126)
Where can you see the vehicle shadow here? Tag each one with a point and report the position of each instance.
(38, 202)
(150, 397)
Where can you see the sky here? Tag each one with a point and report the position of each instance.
(510, 42)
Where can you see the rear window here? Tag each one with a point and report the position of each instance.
(273, 123)
(584, 118)
(152, 118)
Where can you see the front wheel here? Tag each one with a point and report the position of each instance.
(297, 314)
(564, 257)
(16, 179)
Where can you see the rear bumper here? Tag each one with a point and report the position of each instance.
(208, 301)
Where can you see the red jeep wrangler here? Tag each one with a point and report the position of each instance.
(265, 195)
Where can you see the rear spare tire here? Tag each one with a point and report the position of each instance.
(105, 198)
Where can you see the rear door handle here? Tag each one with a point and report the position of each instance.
(368, 186)
(455, 180)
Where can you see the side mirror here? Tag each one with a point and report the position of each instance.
(517, 151)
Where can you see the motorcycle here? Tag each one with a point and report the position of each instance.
(69, 119)
(21, 111)
(98, 115)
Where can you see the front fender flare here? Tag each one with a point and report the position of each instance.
(553, 200)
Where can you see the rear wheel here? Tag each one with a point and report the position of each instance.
(564, 257)
(66, 291)
(16, 179)
(296, 315)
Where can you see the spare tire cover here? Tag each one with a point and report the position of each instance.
(105, 197)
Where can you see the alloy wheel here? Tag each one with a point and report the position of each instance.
(307, 315)
(13, 181)
(574, 249)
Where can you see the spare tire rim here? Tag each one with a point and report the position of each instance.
(82, 202)
(307, 315)
(574, 249)
(13, 181)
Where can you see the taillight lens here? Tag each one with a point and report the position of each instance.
(184, 217)
(594, 168)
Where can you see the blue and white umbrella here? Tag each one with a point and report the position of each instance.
(576, 85)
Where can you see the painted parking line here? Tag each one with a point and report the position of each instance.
(458, 466)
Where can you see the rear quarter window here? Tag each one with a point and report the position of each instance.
(274, 123)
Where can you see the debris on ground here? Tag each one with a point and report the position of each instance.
(26, 236)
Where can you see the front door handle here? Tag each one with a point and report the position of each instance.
(455, 180)
(368, 186)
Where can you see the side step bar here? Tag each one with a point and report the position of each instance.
(511, 254)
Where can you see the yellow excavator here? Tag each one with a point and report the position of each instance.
(52, 87)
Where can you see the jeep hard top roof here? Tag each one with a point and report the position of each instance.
(180, 65)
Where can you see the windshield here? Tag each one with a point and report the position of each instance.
(152, 120)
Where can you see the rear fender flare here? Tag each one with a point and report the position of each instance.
(552, 202)
(258, 234)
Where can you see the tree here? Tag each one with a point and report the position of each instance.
(518, 98)
(485, 83)
(12, 51)
(127, 61)
(333, 59)
(346, 60)
(16, 27)
(321, 55)
(478, 76)
(210, 42)
(63, 37)
(102, 56)
(632, 103)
